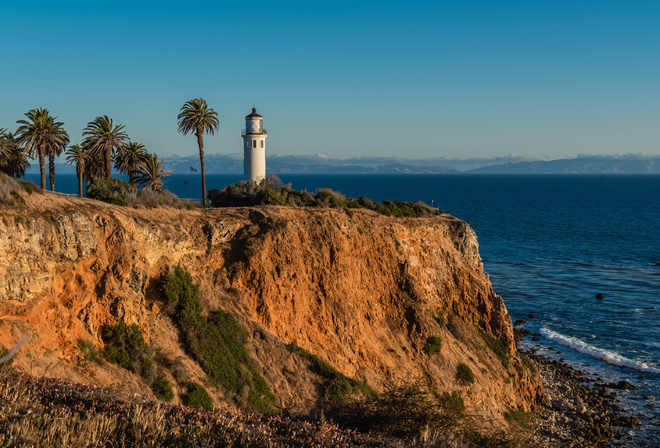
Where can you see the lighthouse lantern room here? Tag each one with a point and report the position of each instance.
(254, 148)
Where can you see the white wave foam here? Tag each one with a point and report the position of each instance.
(608, 356)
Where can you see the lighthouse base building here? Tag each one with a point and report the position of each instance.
(254, 148)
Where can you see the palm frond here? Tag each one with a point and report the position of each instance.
(197, 116)
(151, 174)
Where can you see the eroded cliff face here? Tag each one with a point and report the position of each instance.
(359, 291)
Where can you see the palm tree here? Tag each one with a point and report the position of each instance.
(94, 167)
(151, 173)
(40, 135)
(4, 143)
(13, 160)
(102, 139)
(75, 154)
(196, 116)
(130, 158)
(55, 150)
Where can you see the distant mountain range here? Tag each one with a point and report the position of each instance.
(322, 164)
(579, 165)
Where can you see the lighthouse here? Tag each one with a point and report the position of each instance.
(254, 148)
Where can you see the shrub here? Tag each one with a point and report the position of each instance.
(500, 348)
(454, 403)
(336, 384)
(9, 188)
(216, 342)
(250, 251)
(401, 411)
(271, 191)
(464, 373)
(433, 345)
(197, 397)
(110, 190)
(116, 191)
(125, 346)
(162, 388)
(17, 197)
(439, 319)
(527, 364)
(88, 353)
(520, 416)
(29, 187)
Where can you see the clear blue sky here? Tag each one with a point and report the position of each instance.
(389, 78)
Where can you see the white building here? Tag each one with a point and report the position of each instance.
(254, 147)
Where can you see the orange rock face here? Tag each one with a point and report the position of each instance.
(364, 293)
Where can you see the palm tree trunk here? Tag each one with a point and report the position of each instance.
(42, 167)
(51, 171)
(80, 168)
(200, 143)
(108, 162)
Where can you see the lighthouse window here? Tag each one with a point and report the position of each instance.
(254, 143)
(262, 143)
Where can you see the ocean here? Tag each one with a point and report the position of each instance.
(550, 244)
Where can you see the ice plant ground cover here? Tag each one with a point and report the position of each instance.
(51, 412)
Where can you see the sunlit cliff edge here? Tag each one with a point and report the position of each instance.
(359, 291)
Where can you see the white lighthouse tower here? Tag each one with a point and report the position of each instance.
(254, 148)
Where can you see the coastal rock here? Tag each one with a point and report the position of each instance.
(621, 385)
(600, 295)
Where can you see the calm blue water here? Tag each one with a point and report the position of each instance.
(549, 244)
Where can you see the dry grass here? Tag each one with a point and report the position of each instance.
(40, 412)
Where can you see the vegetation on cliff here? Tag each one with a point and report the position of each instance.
(217, 343)
(116, 191)
(336, 385)
(271, 191)
(125, 345)
(364, 293)
(12, 190)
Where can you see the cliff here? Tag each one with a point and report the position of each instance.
(363, 292)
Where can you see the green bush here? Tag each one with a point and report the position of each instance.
(336, 384)
(527, 364)
(116, 191)
(216, 342)
(29, 187)
(500, 348)
(17, 197)
(520, 416)
(162, 388)
(454, 403)
(439, 319)
(125, 346)
(8, 189)
(197, 397)
(88, 353)
(433, 345)
(271, 191)
(110, 190)
(250, 251)
(464, 373)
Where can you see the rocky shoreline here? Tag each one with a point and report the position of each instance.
(581, 411)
